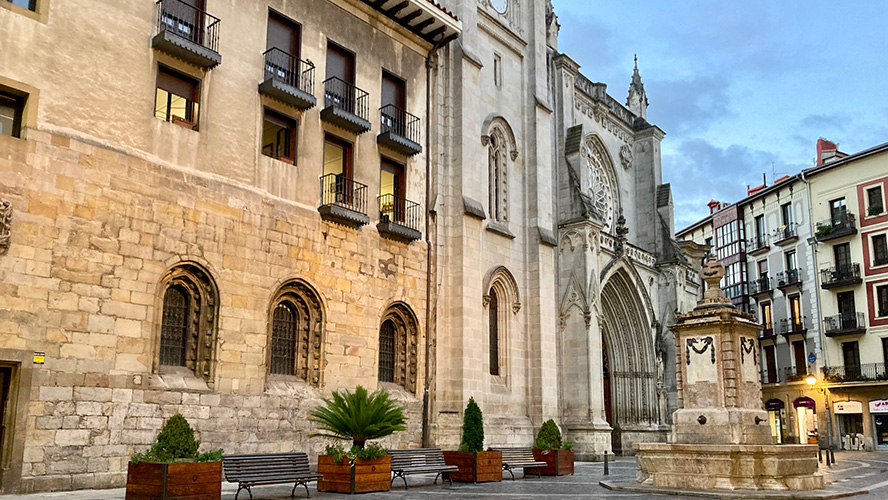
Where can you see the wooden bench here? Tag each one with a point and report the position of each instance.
(276, 468)
(420, 461)
(518, 458)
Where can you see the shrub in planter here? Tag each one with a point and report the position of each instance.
(549, 448)
(475, 465)
(357, 417)
(173, 469)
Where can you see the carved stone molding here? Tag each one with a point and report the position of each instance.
(626, 156)
(5, 225)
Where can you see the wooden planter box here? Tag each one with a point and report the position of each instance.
(558, 462)
(475, 467)
(365, 476)
(181, 481)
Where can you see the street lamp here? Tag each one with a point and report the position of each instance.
(830, 456)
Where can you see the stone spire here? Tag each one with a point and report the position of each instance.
(637, 102)
(552, 26)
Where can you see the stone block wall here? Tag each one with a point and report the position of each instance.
(94, 229)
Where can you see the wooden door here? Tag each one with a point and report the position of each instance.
(282, 34)
(851, 357)
(801, 364)
(771, 363)
(393, 91)
(340, 63)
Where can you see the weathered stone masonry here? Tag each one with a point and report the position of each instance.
(93, 232)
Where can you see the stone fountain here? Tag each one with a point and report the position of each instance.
(721, 436)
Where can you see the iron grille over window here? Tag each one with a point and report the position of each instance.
(387, 352)
(174, 328)
(283, 340)
(494, 333)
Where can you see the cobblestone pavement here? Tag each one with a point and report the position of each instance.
(853, 471)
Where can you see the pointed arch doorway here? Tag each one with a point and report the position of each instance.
(629, 365)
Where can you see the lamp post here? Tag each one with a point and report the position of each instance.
(830, 455)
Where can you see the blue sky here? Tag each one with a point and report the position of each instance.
(738, 86)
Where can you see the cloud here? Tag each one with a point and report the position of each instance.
(680, 106)
(700, 171)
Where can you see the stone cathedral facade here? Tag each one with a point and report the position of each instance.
(557, 272)
(231, 209)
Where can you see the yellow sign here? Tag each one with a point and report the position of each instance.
(39, 358)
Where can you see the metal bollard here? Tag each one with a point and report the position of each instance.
(606, 471)
(820, 454)
(828, 463)
(832, 454)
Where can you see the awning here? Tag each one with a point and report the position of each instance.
(804, 402)
(426, 18)
(774, 404)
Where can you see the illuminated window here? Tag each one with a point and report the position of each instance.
(279, 136)
(177, 98)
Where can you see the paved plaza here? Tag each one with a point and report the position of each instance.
(854, 471)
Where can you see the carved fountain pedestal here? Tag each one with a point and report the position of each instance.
(721, 435)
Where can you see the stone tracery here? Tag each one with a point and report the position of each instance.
(602, 185)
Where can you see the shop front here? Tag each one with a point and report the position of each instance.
(776, 419)
(806, 419)
(879, 412)
(849, 422)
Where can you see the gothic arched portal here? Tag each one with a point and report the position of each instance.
(631, 368)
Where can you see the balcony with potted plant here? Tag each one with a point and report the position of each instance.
(838, 226)
(838, 276)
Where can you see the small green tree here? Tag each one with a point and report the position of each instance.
(549, 437)
(176, 442)
(358, 416)
(473, 428)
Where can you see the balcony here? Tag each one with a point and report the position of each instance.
(769, 378)
(288, 79)
(343, 201)
(836, 227)
(786, 234)
(856, 373)
(794, 326)
(187, 33)
(399, 130)
(345, 106)
(760, 286)
(767, 332)
(835, 277)
(789, 278)
(844, 324)
(794, 374)
(757, 245)
(399, 218)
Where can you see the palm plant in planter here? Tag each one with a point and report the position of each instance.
(549, 448)
(173, 469)
(357, 417)
(475, 465)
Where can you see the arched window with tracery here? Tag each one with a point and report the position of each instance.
(502, 302)
(499, 176)
(398, 344)
(189, 302)
(297, 335)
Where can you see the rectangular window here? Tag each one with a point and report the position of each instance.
(786, 213)
(874, 205)
(801, 366)
(177, 98)
(282, 33)
(497, 70)
(340, 63)
(851, 357)
(795, 312)
(880, 250)
(337, 185)
(771, 363)
(25, 4)
(837, 211)
(882, 301)
(760, 229)
(767, 321)
(790, 258)
(842, 255)
(391, 191)
(763, 268)
(279, 136)
(11, 109)
(847, 309)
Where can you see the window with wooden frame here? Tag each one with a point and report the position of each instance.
(12, 108)
(880, 249)
(882, 301)
(297, 332)
(25, 4)
(177, 97)
(875, 205)
(279, 136)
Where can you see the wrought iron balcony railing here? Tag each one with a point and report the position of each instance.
(188, 22)
(760, 286)
(757, 244)
(794, 374)
(336, 189)
(789, 277)
(855, 373)
(793, 325)
(767, 331)
(346, 105)
(844, 324)
(769, 377)
(399, 130)
(840, 276)
(836, 227)
(288, 78)
(399, 210)
(785, 233)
